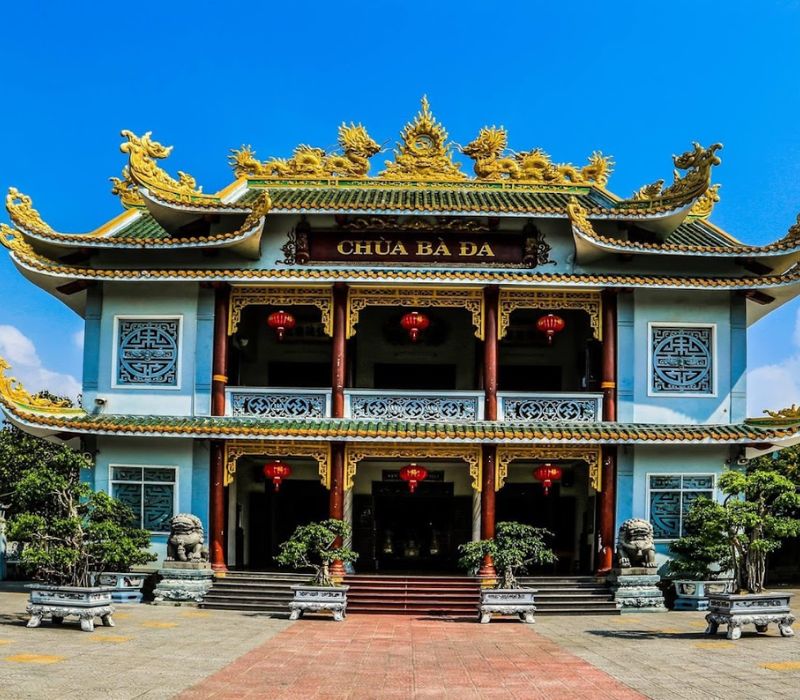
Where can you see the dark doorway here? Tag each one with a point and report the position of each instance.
(396, 530)
(274, 516)
(526, 503)
(409, 377)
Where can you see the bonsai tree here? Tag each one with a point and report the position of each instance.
(315, 546)
(513, 548)
(69, 530)
(702, 554)
(759, 511)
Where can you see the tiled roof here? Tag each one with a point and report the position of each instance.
(353, 430)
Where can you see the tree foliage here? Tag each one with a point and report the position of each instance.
(759, 511)
(703, 553)
(68, 530)
(315, 546)
(514, 547)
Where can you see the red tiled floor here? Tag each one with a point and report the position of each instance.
(381, 656)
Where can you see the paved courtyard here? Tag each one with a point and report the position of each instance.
(165, 652)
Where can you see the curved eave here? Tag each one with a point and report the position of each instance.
(172, 214)
(68, 425)
(53, 246)
(591, 247)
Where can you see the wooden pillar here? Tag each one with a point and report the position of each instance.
(490, 359)
(608, 496)
(219, 380)
(338, 382)
(339, 351)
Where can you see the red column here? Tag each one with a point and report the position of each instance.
(219, 380)
(608, 495)
(490, 413)
(338, 382)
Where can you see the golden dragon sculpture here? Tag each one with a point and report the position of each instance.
(697, 164)
(310, 162)
(489, 147)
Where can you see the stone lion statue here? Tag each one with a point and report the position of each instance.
(185, 542)
(635, 546)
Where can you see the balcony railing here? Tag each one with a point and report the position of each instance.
(379, 404)
(277, 403)
(549, 407)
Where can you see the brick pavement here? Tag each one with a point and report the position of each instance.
(371, 656)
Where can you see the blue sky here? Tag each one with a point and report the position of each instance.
(640, 82)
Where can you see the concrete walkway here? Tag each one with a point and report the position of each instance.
(164, 652)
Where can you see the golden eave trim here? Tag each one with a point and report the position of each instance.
(549, 300)
(242, 297)
(509, 453)
(320, 451)
(356, 452)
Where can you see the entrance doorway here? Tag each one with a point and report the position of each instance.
(395, 530)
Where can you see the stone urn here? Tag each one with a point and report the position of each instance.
(507, 601)
(693, 595)
(58, 602)
(759, 609)
(309, 598)
(127, 586)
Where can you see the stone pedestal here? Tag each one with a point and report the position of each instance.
(636, 590)
(318, 599)
(757, 609)
(507, 601)
(57, 602)
(183, 583)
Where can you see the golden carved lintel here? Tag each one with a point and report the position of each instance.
(354, 453)
(320, 451)
(320, 297)
(424, 297)
(548, 300)
(20, 209)
(509, 453)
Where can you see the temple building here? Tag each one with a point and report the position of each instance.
(417, 350)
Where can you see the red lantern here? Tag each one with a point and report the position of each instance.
(415, 322)
(550, 324)
(413, 474)
(280, 322)
(547, 474)
(277, 471)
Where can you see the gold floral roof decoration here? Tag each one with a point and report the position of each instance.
(12, 239)
(577, 217)
(13, 393)
(423, 154)
(127, 190)
(143, 169)
(703, 207)
(793, 234)
(20, 208)
(309, 162)
(791, 413)
(697, 164)
(489, 147)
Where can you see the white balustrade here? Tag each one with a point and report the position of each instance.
(550, 407)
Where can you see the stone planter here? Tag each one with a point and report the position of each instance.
(57, 602)
(127, 586)
(749, 609)
(309, 598)
(693, 595)
(507, 601)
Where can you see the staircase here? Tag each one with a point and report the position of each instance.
(256, 591)
(571, 595)
(270, 593)
(413, 595)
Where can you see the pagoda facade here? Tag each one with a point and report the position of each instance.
(333, 327)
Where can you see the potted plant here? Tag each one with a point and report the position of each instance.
(513, 548)
(69, 531)
(702, 562)
(758, 512)
(316, 546)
